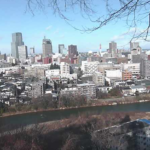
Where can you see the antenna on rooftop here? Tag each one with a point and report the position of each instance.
(100, 47)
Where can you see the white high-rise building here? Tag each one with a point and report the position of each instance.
(23, 53)
(32, 50)
(61, 48)
(16, 41)
(134, 45)
(64, 68)
(113, 48)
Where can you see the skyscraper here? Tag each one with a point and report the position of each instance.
(72, 51)
(16, 41)
(47, 47)
(145, 66)
(23, 53)
(134, 45)
(32, 50)
(113, 48)
(61, 47)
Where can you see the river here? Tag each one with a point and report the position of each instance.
(39, 117)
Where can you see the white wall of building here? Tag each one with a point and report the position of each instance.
(38, 57)
(13, 69)
(64, 68)
(69, 76)
(57, 58)
(53, 72)
(22, 51)
(133, 67)
(113, 73)
(98, 79)
(90, 67)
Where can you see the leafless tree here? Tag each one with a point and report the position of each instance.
(105, 140)
(132, 12)
(70, 143)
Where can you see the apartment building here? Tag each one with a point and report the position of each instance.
(126, 75)
(89, 90)
(64, 68)
(38, 89)
(145, 67)
(113, 74)
(108, 66)
(98, 79)
(52, 72)
(68, 91)
(4, 64)
(132, 67)
(90, 67)
(35, 72)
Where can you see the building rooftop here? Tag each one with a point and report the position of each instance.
(137, 86)
(145, 82)
(86, 75)
(144, 121)
(85, 84)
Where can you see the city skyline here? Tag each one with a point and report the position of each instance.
(17, 41)
(18, 36)
(74, 65)
(34, 28)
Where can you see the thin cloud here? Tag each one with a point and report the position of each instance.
(1, 37)
(117, 37)
(127, 34)
(62, 36)
(56, 32)
(48, 28)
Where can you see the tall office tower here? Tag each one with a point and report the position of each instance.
(47, 47)
(23, 53)
(145, 66)
(113, 48)
(32, 50)
(134, 45)
(61, 48)
(16, 41)
(72, 51)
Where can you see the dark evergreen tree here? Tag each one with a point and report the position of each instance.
(71, 70)
(79, 72)
(52, 66)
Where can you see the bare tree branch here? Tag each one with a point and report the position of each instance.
(135, 13)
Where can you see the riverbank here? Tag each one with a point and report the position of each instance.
(95, 103)
(58, 134)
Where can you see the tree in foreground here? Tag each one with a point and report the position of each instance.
(134, 13)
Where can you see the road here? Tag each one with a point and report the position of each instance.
(124, 98)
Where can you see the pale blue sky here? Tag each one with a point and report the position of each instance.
(33, 28)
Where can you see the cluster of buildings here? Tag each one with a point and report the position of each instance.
(20, 54)
(71, 72)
